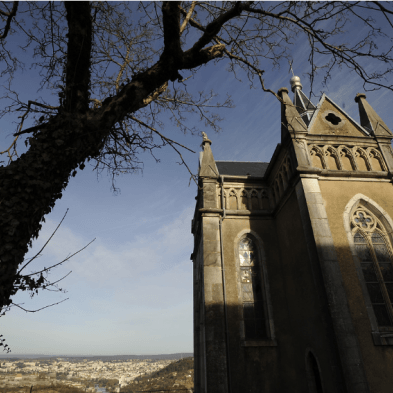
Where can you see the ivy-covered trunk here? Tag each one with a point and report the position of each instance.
(30, 186)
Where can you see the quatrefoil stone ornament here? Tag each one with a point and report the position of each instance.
(363, 220)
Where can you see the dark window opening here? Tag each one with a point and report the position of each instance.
(332, 118)
(315, 382)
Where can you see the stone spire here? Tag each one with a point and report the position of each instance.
(291, 122)
(369, 118)
(207, 164)
(303, 105)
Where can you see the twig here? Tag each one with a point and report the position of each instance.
(171, 143)
(39, 252)
(158, 133)
(28, 131)
(64, 260)
(17, 305)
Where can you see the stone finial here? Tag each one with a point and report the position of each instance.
(282, 90)
(208, 166)
(359, 96)
(205, 139)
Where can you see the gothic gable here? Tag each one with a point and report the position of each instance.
(330, 119)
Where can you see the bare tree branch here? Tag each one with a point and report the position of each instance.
(46, 243)
(78, 55)
(50, 305)
(59, 263)
(188, 17)
(9, 16)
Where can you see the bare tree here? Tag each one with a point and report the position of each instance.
(117, 67)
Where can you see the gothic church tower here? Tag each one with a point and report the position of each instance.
(293, 273)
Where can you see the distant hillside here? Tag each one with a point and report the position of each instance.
(176, 375)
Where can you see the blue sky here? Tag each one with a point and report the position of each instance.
(130, 292)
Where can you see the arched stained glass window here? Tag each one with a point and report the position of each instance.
(251, 290)
(374, 250)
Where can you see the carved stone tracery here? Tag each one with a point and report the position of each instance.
(281, 179)
(244, 198)
(341, 157)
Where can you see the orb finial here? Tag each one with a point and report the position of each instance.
(295, 80)
(295, 83)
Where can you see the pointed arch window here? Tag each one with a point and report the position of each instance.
(313, 374)
(251, 290)
(374, 250)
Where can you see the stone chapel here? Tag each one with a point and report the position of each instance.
(293, 259)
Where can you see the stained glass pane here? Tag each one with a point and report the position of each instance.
(389, 287)
(247, 258)
(381, 252)
(382, 315)
(387, 271)
(368, 272)
(253, 312)
(375, 293)
(362, 220)
(358, 238)
(246, 244)
(377, 238)
(246, 275)
(247, 293)
(363, 252)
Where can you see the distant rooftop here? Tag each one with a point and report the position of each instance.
(239, 168)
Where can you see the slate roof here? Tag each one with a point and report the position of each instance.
(239, 168)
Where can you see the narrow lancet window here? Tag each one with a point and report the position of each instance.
(374, 251)
(251, 289)
(314, 377)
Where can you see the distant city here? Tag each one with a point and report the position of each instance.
(89, 373)
(173, 356)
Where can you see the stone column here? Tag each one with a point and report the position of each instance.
(215, 345)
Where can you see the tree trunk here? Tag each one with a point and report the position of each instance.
(30, 186)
